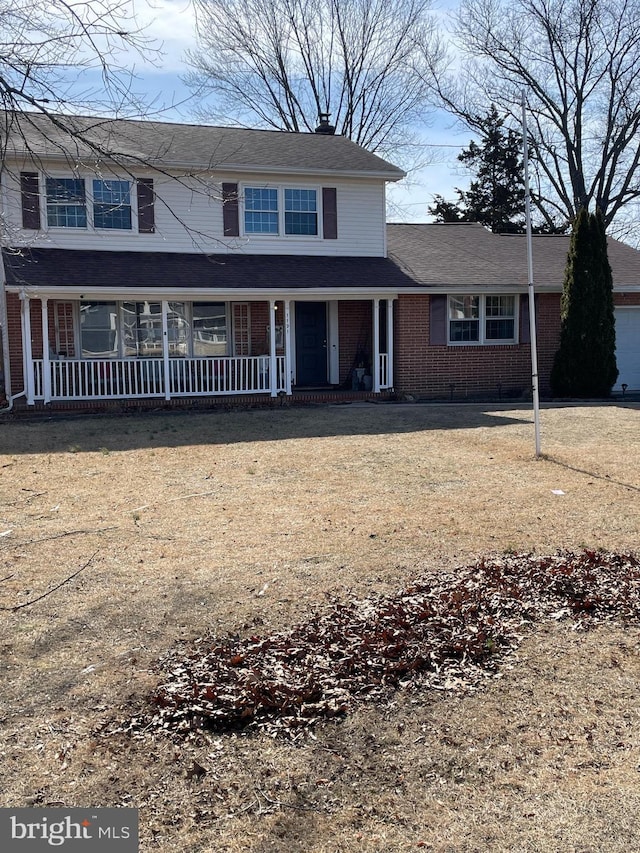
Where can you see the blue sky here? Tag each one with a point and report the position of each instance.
(171, 24)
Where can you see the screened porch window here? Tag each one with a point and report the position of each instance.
(99, 330)
(209, 328)
(134, 329)
(142, 329)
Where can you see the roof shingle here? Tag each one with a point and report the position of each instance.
(467, 254)
(165, 145)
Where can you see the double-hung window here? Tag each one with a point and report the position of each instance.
(300, 212)
(479, 319)
(66, 203)
(261, 210)
(112, 204)
(109, 204)
(281, 210)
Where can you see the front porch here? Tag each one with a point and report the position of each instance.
(61, 365)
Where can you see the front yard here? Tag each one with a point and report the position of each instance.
(243, 523)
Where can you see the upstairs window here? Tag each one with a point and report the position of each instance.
(260, 210)
(300, 212)
(482, 319)
(66, 203)
(281, 210)
(112, 205)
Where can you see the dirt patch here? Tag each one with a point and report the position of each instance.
(243, 522)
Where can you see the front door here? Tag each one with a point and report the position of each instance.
(311, 343)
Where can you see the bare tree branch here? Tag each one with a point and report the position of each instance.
(53, 588)
(279, 63)
(578, 62)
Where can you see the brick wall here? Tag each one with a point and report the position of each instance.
(460, 372)
(355, 324)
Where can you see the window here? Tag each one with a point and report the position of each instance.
(134, 329)
(99, 330)
(209, 328)
(66, 203)
(300, 212)
(142, 329)
(500, 318)
(112, 204)
(260, 211)
(289, 211)
(464, 319)
(482, 319)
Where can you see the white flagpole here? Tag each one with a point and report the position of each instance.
(532, 304)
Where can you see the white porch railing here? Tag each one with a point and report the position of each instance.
(104, 379)
(385, 379)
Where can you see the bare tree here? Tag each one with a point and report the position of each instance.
(46, 46)
(578, 63)
(59, 57)
(280, 63)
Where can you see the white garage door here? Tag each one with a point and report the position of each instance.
(628, 348)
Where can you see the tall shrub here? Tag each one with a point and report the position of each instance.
(585, 363)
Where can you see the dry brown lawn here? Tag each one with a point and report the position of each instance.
(243, 522)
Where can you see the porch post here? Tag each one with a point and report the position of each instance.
(46, 361)
(390, 343)
(287, 347)
(376, 345)
(165, 351)
(25, 316)
(273, 366)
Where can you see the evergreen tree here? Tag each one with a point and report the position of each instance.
(495, 197)
(585, 363)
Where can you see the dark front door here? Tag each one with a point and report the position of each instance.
(311, 343)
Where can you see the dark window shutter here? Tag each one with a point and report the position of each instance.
(146, 210)
(230, 217)
(329, 213)
(438, 320)
(30, 200)
(525, 332)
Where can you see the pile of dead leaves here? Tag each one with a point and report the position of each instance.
(452, 632)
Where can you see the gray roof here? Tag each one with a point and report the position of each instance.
(165, 145)
(467, 254)
(59, 268)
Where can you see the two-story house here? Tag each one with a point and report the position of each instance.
(168, 263)
(163, 261)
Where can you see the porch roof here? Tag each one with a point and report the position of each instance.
(75, 273)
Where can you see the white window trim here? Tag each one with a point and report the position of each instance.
(483, 341)
(289, 185)
(88, 200)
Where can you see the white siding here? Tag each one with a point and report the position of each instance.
(188, 218)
